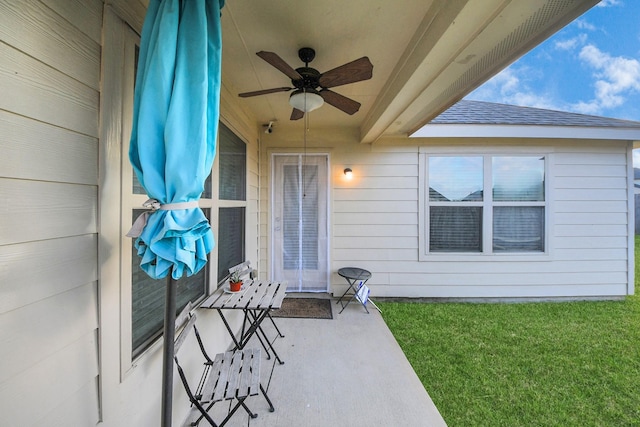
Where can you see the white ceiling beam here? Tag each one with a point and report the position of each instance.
(455, 50)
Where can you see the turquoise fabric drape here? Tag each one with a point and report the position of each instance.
(175, 124)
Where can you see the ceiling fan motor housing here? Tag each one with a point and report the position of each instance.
(310, 78)
(306, 55)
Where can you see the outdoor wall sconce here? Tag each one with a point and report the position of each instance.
(348, 173)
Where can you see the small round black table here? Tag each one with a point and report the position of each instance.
(356, 278)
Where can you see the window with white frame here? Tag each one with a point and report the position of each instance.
(146, 299)
(148, 295)
(484, 204)
(141, 309)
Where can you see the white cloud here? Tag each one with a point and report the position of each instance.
(584, 25)
(594, 56)
(616, 78)
(608, 3)
(506, 81)
(636, 158)
(507, 87)
(572, 43)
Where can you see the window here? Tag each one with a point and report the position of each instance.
(232, 152)
(230, 240)
(233, 165)
(141, 299)
(148, 295)
(484, 204)
(455, 204)
(518, 204)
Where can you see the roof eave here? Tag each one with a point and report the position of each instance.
(452, 55)
(527, 131)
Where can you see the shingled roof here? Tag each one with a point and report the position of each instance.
(480, 112)
(486, 119)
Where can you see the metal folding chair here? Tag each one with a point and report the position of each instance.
(234, 375)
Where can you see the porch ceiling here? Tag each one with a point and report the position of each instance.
(427, 54)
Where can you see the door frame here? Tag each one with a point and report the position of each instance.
(272, 192)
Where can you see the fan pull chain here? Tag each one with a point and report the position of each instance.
(304, 156)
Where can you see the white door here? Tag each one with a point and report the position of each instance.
(299, 226)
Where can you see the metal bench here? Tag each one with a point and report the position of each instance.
(231, 375)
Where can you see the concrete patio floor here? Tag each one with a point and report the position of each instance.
(347, 371)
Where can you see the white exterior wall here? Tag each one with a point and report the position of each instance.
(131, 390)
(49, 86)
(375, 220)
(594, 219)
(62, 361)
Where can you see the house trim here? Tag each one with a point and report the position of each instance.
(630, 222)
(525, 131)
(109, 219)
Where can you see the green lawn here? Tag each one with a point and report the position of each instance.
(533, 364)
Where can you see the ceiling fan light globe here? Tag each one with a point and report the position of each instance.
(313, 101)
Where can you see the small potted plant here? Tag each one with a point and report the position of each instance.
(235, 282)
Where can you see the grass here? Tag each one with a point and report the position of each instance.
(534, 364)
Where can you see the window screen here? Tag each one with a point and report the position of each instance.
(300, 217)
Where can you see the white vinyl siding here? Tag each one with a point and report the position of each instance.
(375, 214)
(129, 390)
(592, 215)
(375, 221)
(59, 248)
(50, 67)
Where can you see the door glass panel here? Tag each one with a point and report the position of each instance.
(300, 219)
(310, 208)
(290, 218)
(300, 232)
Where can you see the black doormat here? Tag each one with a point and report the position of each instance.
(310, 308)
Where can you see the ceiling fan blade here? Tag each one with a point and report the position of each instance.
(297, 114)
(279, 63)
(341, 102)
(354, 71)
(264, 92)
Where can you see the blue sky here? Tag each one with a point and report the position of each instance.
(592, 66)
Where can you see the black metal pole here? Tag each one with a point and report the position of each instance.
(168, 349)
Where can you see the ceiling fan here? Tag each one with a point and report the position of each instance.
(311, 88)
